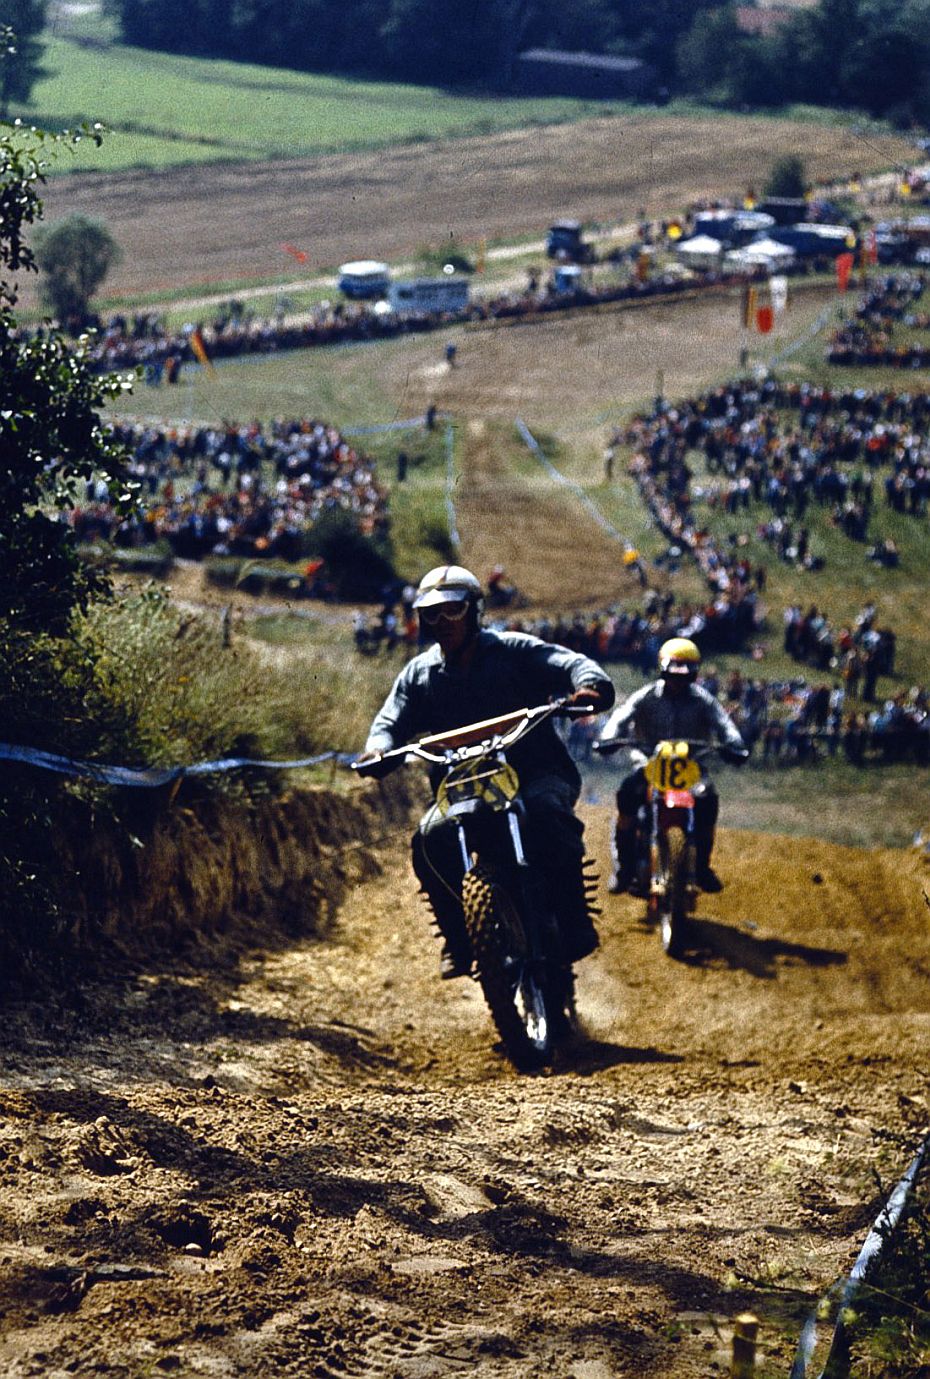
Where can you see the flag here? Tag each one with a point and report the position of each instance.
(778, 291)
(295, 253)
(749, 305)
(871, 247)
(765, 319)
(642, 266)
(844, 266)
(200, 350)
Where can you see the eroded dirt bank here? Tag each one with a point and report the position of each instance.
(312, 1161)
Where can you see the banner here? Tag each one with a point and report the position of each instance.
(200, 350)
(844, 266)
(778, 292)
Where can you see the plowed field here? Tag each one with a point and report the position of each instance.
(316, 1162)
(194, 226)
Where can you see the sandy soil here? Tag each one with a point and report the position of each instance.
(193, 226)
(315, 1162)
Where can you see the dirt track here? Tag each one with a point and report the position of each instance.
(315, 1163)
(194, 226)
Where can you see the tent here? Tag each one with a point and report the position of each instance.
(700, 251)
(767, 253)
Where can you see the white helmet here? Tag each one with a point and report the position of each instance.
(449, 584)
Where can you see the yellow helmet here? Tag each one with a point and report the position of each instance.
(679, 656)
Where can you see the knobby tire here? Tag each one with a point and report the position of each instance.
(493, 923)
(673, 916)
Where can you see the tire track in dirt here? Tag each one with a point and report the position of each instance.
(508, 513)
(316, 1162)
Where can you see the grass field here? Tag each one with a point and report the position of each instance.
(164, 109)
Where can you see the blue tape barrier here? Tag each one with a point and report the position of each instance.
(454, 534)
(533, 445)
(877, 1237)
(152, 776)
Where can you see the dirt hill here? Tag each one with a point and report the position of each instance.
(313, 1160)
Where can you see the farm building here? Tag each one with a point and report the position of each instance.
(545, 72)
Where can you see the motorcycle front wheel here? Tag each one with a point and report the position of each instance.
(523, 1005)
(673, 904)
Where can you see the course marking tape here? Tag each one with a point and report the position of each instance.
(877, 1237)
(533, 445)
(454, 534)
(153, 776)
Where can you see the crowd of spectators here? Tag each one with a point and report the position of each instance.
(240, 490)
(871, 336)
(859, 653)
(142, 340)
(787, 446)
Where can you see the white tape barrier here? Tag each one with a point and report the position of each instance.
(454, 535)
(534, 447)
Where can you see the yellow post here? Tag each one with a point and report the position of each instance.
(745, 1332)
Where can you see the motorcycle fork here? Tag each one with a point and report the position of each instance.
(663, 818)
(516, 840)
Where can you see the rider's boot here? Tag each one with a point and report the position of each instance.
(704, 874)
(623, 855)
(573, 894)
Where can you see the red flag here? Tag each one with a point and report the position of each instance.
(765, 319)
(295, 253)
(844, 266)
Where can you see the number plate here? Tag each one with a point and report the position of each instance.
(495, 784)
(671, 768)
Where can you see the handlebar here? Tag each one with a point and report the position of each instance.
(501, 732)
(607, 747)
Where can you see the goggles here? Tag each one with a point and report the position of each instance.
(451, 612)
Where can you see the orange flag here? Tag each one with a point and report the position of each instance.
(295, 253)
(844, 266)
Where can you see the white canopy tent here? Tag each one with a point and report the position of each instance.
(765, 252)
(700, 251)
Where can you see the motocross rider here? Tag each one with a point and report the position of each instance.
(471, 673)
(673, 707)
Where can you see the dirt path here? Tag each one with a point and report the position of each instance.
(314, 1162)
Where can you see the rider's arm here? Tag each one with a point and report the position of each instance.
(557, 671)
(623, 716)
(398, 719)
(727, 733)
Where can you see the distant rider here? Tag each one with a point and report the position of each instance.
(469, 674)
(673, 707)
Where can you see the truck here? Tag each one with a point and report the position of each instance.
(564, 241)
(364, 279)
(449, 294)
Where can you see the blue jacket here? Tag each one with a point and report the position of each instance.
(509, 670)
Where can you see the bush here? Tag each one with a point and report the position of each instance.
(787, 177)
(359, 566)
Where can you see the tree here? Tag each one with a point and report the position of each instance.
(787, 177)
(20, 67)
(75, 254)
(52, 440)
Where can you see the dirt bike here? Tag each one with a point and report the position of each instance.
(516, 944)
(665, 845)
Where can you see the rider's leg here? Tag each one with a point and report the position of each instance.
(630, 797)
(554, 840)
(706, 809)
(438, 866)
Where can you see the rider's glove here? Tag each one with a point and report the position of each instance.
(589, 696)
(734, 756)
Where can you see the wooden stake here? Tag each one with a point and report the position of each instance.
(745, 1332)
